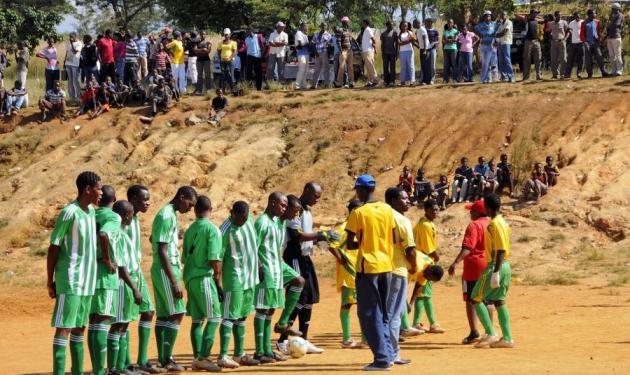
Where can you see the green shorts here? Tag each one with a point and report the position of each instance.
(104, 302)
(237, 304)
(348, 296)
(269, 298)
(166, 304)
(203, 299)
(288, 274)
(426, 291)
(483, 291)
(143, 287)
(126, 310)
(71, 311)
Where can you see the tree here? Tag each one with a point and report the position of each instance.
(127, 13)
(29, 21)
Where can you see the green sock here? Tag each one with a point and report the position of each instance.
(113, 342)
(239, 338)
(259, 331)
(123, 344)
(159, 339)
(59, 355)
(97, 344)
(76, 354)
(144, 335)
(293, 295)
(128, 351)
(225, 331)
(504, 321)
(428, 306)
(208, 337)
(404, 320)
(418, 306)
(196, 333)
(170, 336)
(484, 318)
(267, 336)
(344, 315)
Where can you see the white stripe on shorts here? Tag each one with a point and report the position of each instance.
(169, 293)
(59, 312)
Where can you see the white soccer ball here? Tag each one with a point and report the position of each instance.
(297, 347)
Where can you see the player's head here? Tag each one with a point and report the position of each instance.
(239, 213)
(108, 196)
(398, 199)
(433, 273)
(477, 209)
(203, 207)
(294, 206)
(139, 197)
(353, 205)
(276, 204)
(430, 209)
(125, 210)
(185, 199)
(311, 193)
(364, 187)
(492, 202)
(89, 187)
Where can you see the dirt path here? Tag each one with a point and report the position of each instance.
(575, 329)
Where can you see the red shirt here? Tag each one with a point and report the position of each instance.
(106, 50)
(475, 240)
(88, 94)
(405, 180)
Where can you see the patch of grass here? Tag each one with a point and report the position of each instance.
(525, 238)
(531, 280)
(562, 279)
(620, 281)
(321, 145)
(595, 256)
(446, 218)
(293, 104)
(38, 252)
(556, 237)
(3, 223)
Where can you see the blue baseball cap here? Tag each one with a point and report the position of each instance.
(365, 181)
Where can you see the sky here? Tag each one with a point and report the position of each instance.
(68, 24)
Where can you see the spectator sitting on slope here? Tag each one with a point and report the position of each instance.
(405, 180)
(422, 187)
(536, 186)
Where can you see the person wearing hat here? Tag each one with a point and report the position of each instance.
(486, 30)
(278, 41)
(344, 41)
(227, 49)
(371, 230)
(592, 35)
(532, 49)
(472, 254)
(178, 69)
(303, 54)
(613, 39)
(575, 47)
(71, 64)
(322, 42)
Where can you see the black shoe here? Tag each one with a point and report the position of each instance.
(472, 338)
(263, 359)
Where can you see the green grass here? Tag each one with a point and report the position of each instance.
(3, 223)
(556, 237)
(562, 279)
(525, 238)
(38, 252)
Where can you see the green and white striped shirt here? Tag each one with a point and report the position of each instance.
(75, 234)
(270, 234)
(109, 223)
(133, 232)
(239, 256)
(165, 230)
(127, 254)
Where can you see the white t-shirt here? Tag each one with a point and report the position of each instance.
(423, 37)
(73, 59)
(366, 40)
(403, 38)
(277, 38)
(507, 38)
(575, 27)
(301, 39)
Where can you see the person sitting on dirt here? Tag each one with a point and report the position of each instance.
(441, 190)
(151, 81)
(491, 181)
(504, 175)
(463, 176)
(88, 101)
(479, 182)
(169, 80)
(552, 171)
(122, 93)
(219, 107)
(102, 101)
(536, 186)
(405, 180)
(110, 87)
(54, 102)
(160, 97)
(16, 98)
(422, 188)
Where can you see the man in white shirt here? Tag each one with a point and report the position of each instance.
(575, 48)
(504, 38)
(71, 64)
(303, 52)
(278, 41)
(367, 52)
(422, 38)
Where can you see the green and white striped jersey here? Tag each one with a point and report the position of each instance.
(166, 230)
(127, 254)
(133, 231)
(270, 234)
(108, 222)
(239, 256)
(75, 234)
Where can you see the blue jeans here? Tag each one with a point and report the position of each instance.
(407, 67)
(505, 62)
(17, 102)
(120, 69)
(396, 302)
(90, 72)
(372, 297)
(486, 59)
(450, 69)
(465, 66)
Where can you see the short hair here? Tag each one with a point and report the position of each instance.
(429, 204)
(391, 194)
(557, 12)
(87, 38)
(122, 207)
(188, 192)
(462, 159)
(109, 195)
(134, 190)
(203, 204)
(85, 179)
(492, 201)
(240, 208)
(293, 201)
(436, 271)
(590, 11)
(367, 22)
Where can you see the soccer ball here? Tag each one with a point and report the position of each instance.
(297, 347)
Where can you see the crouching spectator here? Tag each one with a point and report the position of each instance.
(505, 177)
(491, 181)
(151, 82)
(441, 190)
(405, 180)
(219, 108)
(16, 98)
(551, 171)
(422, 187)
(88, 101)
(53, 103)
(463, 177)
(536, 186)
(160, 97)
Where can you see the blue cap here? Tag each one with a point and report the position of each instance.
(365, 181)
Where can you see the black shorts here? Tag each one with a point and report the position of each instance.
(304, 266)
(467, 289)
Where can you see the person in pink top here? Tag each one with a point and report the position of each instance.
(466, 40)
(49, 53)
(120, 51)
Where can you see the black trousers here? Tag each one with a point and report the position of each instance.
(575, 55)
(389, 68)
(254, 64)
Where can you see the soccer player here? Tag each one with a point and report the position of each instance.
(425, 234)
(202, 277)
(239, 277)
(472, 253)
(494, 281)
(270, 237)
(71, 272)
(166, 275)
(427, 271)
(371, 230)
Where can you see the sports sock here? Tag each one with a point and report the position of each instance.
(293, 295)
(97, 344)
(417, 311)
(76, 354)
(123, 344)
(239, 338)
(344, 315)
(208, 337)
(128, 351)
(196, 333)
(504, 321)
(170, 336)
(259, 331)
(484, 318)
(404, 320)
(59, 355)
(428, 306)
(267, 336)
(159, 339)
(225, 331)
(144, 335)
(113, 342)
(292, 317)
(305, 320)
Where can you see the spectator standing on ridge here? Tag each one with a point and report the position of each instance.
(71, 64)
(143, 51)
(532, 49)
(178, 69)
(344, 40)
(559, 31)
(405, 48)
(322, 42)
(592, 36)
(278, 42)
(368, 45)
(131, 61)
(466, 40)
(49, 53)
(613, 40)
(228, 52)
(389, 52)
(202, 48)
(303, 52)
(120, 49)
(105, 47)
(449, 43)
(504, 48)
(422, 42)
(575, 47)
(22, 57)
(486, 30)
(434, 40)
(255, 50)
(89, 59)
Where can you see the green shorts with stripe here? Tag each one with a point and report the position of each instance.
(348, 296)
(143, 287)
(237, 304)
(269, 298)
(165, 302)
(104, 302)
(71, 311)
(126, 310)
(288, 274)
(483, 291)
(203, 299)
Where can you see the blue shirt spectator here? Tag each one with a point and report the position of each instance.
(434, 37)
(487, 31)
(253, 45)
(591, 31)
(142, 43)
(321, 41)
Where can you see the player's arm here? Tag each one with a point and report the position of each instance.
(351, 243)
(105, 249)
(435, 256)
(410, 255)
(166, 266)
(123, 273)
(51, 261)
(463, 253)
(413, 298)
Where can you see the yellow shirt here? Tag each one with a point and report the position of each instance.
(343, 277)
(403, 242)
(227, 50)
(422, 262)
(497, 238)
(373, 225)
(177, 51)
(426, 236)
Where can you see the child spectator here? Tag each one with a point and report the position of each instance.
(16, 98)
(219, 108)
(54, 102)
(490, 179)
(160, 97)
(551, 171)
(122, 93)
(504, 175)
(422, 187)
(405, 180)
(441, 189)
(536, 186)
(88, 101)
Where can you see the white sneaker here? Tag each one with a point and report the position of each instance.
(283, 347)
(486, 341)
(411, 332)
(502, 344)
(227, 362)
(312, 349)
